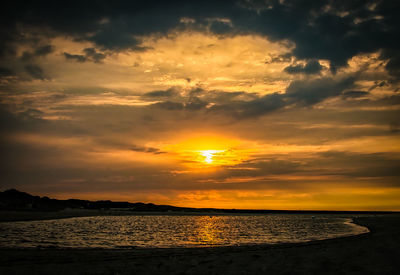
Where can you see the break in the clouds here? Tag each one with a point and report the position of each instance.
(245, 104)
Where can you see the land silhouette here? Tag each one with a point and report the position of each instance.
(25, 206)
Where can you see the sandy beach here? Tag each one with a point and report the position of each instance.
(376, 252)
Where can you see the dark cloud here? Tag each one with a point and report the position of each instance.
(160, 94)
(309, 92)
(113, 38)
(354, 94)
(384, 101)
(5, 72)
(378, 84)
(312, 67)
(95, 56)
(35, 71)
(76, 57)
(266, 166)
(394, 126)
(221, 27)
(44, 50)
(248, 105)
(375, 165)
(331, 30)
(90, 54)
(145, 149)
(346, 165)
(23, 120)
(169, 105)
(195, 103)
(253, 108)
(393, 64)
(40, 51)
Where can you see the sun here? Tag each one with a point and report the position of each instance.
(209, 155)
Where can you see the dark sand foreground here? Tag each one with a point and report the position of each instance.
(377, 252)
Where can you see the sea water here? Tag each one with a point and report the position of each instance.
(169, 231)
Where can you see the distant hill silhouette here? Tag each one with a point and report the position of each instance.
(13, 199)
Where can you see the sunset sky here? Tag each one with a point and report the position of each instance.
(228, 104)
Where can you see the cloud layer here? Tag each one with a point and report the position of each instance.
(335, 30)
(117, 99)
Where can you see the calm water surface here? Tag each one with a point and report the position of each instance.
(173, 231)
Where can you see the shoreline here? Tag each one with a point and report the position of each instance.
(17, 216)
(374, 252)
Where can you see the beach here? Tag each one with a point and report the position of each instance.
(376, 252)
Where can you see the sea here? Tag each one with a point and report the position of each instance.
(174, 231)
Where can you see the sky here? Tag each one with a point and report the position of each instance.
(227, 104)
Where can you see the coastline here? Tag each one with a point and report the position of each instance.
(15, 216)
(375, 252)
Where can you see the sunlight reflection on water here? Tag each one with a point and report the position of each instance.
(173, 231)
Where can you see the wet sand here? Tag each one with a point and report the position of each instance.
(376, 252)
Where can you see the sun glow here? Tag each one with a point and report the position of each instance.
(209, 151)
